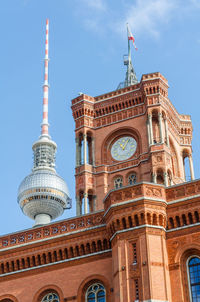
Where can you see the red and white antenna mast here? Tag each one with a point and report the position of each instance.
(45, 124)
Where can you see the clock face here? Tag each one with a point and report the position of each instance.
(123, 148)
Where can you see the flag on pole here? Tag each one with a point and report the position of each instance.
(130, 36)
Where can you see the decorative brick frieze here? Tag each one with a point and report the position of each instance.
(187, 190)
(52, 230)
(133, 192)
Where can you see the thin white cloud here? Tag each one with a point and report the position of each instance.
(146, 16)
(98, 5)
(142, 15)
(94, 25)
(195, 3)
(92, 13)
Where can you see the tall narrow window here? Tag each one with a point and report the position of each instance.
(96, 293)
(51, 297)
(118, 182)
(194, 277)
(132, 179)
(136, 291)
(134, 253)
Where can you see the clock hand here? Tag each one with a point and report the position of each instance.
(125, 144)
(121, 145)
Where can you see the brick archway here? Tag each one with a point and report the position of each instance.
(89, 281)
(7, 298)
(47, 289)
(188, 251)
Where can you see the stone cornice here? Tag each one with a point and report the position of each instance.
(184, 227)
(136, 228)
(113, 168)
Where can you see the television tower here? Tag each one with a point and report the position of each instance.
(43, 195)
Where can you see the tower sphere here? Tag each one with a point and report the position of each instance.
(43, 192)
(43, 195)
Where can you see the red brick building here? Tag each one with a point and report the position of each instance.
(136, 236)
(136, 233)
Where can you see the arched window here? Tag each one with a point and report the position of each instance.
(194, 278)
(96, 293)
(132, 179)
(118, 182)
(51, 297)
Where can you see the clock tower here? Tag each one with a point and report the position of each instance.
(131, 135)
(127, 136)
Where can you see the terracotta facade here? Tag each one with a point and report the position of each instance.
(137, 220)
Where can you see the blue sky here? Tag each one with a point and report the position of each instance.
(87, 43)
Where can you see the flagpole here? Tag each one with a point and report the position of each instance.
(129, 58)
(129, 46)
(130, 78)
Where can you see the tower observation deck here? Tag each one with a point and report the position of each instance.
(43, 195)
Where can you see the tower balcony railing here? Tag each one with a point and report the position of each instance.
(136, 191)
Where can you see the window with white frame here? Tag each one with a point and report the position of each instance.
(132, 179)
(118, 182)
(95, 293)
(194, 278)
(51, 297)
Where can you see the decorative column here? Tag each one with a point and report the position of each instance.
(94, 197)
(191, 167)
(80, 151)
(165, 179)
(93, 152)
(85, 149)
(170, 180)
(154, 178)
(166, 132)
(77, 152)
(148, 133)
(86, 203)
(78, 206)
(160, 127)
(184, 168)
(150, 128)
